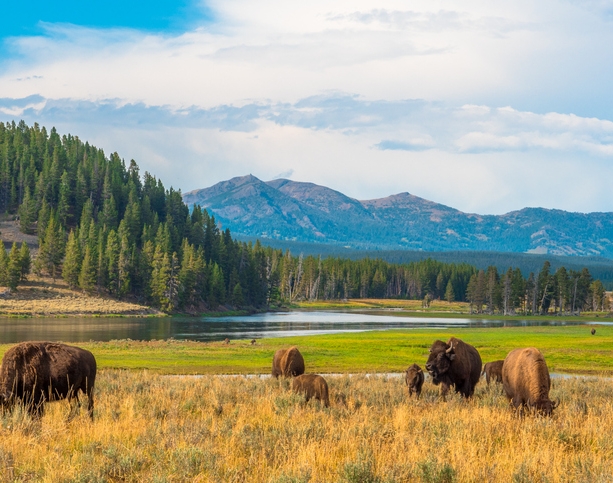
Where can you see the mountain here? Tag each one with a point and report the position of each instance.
(305, 212)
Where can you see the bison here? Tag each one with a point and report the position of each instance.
(593, 331)
(35, 372)
(526, 382)
(287, 363)
(312, 386)
(454, 363)
(493, 370)
(414, 379)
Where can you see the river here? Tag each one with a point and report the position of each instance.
(277, 324)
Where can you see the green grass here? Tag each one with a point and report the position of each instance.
(569, 349)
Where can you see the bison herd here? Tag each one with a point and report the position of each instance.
(523, 374)
(33, 373)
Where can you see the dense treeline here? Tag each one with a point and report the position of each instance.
(103, 227)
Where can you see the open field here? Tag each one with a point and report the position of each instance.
(152, 428)
(41, 296)
(437, 308)
(566, 348)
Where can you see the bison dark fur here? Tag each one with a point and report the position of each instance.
(312, 386)
(287, 363)
(526, 382)
(33, 373)
(493, 371)
(454, 363)
(414, 379)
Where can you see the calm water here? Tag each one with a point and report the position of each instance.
(280, 324)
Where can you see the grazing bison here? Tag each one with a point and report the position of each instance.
(526, 382)
(287, 363)
(35, 372)
(313, 387)
(454, 363)
(593, 331)
(493, 370)
(414, 378)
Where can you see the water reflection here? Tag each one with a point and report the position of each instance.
(79, 329)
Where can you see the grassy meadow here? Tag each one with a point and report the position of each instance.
(154, 428)
(570, 349)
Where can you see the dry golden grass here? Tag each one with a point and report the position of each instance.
(41, 296)
(237, 429)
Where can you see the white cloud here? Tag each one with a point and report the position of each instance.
(367, 97)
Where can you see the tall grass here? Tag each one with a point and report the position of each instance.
(237, 429)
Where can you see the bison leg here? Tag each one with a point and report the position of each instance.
(75, 405)
(444, 390)
(90, 402)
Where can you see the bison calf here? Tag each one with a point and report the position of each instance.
(526, 381)
(33, 373)
(414, 379)
(493, 371)
(287, 363)
(312, 386)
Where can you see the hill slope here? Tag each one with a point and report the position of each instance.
(305, 212)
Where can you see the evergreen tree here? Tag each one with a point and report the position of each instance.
(13, 272)
(51, 251)
(26, 260)
(88, 275)
(27, 214)
(4, 265)
(449, 292)
(72, 262)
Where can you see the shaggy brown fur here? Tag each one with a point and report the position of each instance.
(454, 363)
(414, 379)
(313, 387)
(493, 370)
(287, 363)
(35, 372)
(526, 381)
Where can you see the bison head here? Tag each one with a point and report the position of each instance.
(439, 359)
(546, 406)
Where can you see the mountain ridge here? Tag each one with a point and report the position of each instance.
(306, 212)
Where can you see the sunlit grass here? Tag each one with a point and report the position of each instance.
(172, 429)
(566, 348)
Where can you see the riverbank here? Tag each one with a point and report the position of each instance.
(44, 297)
(567, 349)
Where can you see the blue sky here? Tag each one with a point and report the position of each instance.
(19, 18)
(485, 106)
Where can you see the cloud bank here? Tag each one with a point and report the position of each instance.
(487, 108)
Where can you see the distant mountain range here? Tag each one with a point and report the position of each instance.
(305, 212)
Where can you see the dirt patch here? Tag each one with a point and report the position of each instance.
(42, 296)
(9, 233)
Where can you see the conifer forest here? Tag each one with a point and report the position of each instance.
(104, 227)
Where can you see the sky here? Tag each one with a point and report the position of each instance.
(484, 106)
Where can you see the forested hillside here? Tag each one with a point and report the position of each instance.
(103, 227)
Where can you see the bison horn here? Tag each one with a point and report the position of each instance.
(448, 351)
(556, 403)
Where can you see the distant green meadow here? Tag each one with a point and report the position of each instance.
(567, 349)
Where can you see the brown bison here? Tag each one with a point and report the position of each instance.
(454, 363)
(526, 382)
(593, 331)
(287, 363)
(35, 372)
(313, 387)
(493, 370)
(414, 379)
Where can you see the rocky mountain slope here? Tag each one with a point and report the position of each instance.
(289, 210)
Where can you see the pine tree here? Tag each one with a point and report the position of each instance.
(87, 276)
(72, 262)
(449, 292)
(124, 267)
(51, 251)
(27, 214)
(112, 255)
(4, 265)
(237, 296)
(13, 272)
(26, 260)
